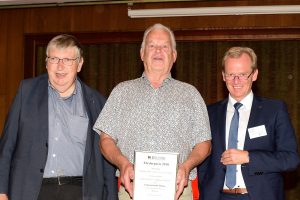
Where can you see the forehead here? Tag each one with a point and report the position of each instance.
(54, 49)
(242, 62)
(158, 35)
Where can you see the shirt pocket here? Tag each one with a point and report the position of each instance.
(78, 128)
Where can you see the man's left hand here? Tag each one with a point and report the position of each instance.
(234, 156)
(181, 180)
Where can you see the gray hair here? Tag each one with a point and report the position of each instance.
(159, 26)
(65, 41)
(236, 52)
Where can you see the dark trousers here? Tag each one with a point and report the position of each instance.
(68, 191)
(225, 196)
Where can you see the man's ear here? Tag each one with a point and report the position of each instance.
(255, 75)
(80, 64)
(142, 54)
(223, 75)
(174, 54)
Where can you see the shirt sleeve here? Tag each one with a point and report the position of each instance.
(201, 126)
(109, 118)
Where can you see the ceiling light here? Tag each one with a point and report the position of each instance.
(214, 11)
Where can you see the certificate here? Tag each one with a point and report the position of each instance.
(155, 175)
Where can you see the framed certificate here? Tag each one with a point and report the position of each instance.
(155, 175)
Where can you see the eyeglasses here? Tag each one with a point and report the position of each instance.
(155, 47)
(66, 61)
(243, 77)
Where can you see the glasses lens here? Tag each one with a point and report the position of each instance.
(67, 61)
(230, 76)
(53, 60)
(244, 77)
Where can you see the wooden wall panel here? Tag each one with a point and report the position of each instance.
(3, 109)
(16, 23)
(3, 68)
(3, 53)
(15, 50)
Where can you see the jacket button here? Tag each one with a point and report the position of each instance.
(42, 170)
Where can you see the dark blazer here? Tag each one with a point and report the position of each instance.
(24, 145)
(269, 155)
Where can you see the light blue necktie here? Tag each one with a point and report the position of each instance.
(232, 144)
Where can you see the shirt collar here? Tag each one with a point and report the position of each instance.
(57, 93)
(246, 101)
(167, 80)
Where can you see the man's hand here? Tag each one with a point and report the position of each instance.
(181, 180)
(126, 177)
(198, 154)
(3, 197)
(235, 156)
(113, 154)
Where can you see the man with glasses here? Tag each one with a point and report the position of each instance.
(253, 140)
(48, 149)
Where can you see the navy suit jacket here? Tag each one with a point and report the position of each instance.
(24, 145)
(269, 155)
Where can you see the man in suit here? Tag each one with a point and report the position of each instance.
(48, 149)
(265, 140)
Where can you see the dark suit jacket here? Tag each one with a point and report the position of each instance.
(269, 155)
(24, 145)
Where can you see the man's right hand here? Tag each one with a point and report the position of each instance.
(3, 197)
(113, 154)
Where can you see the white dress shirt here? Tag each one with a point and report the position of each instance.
(244, 113)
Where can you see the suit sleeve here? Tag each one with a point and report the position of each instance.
(110, 181)
(8, 141)
(201, 171)
(284, 156)
(203, 167)
(109, 171)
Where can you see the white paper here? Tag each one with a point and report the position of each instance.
(258, 131)
(155, 175)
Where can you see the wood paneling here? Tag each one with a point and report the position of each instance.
(3, 67)
(15, 23)
(3, 53)
(113, 19)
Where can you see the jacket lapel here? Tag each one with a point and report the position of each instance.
(256, 109)
(222, 122)
(88, 103)
(43, 118)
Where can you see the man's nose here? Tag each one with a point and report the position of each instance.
(158, 47)
(236, 78)
(60, 64)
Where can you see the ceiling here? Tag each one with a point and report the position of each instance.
(19, 2)
(47, 3)
(27, 3)
(39, 2)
